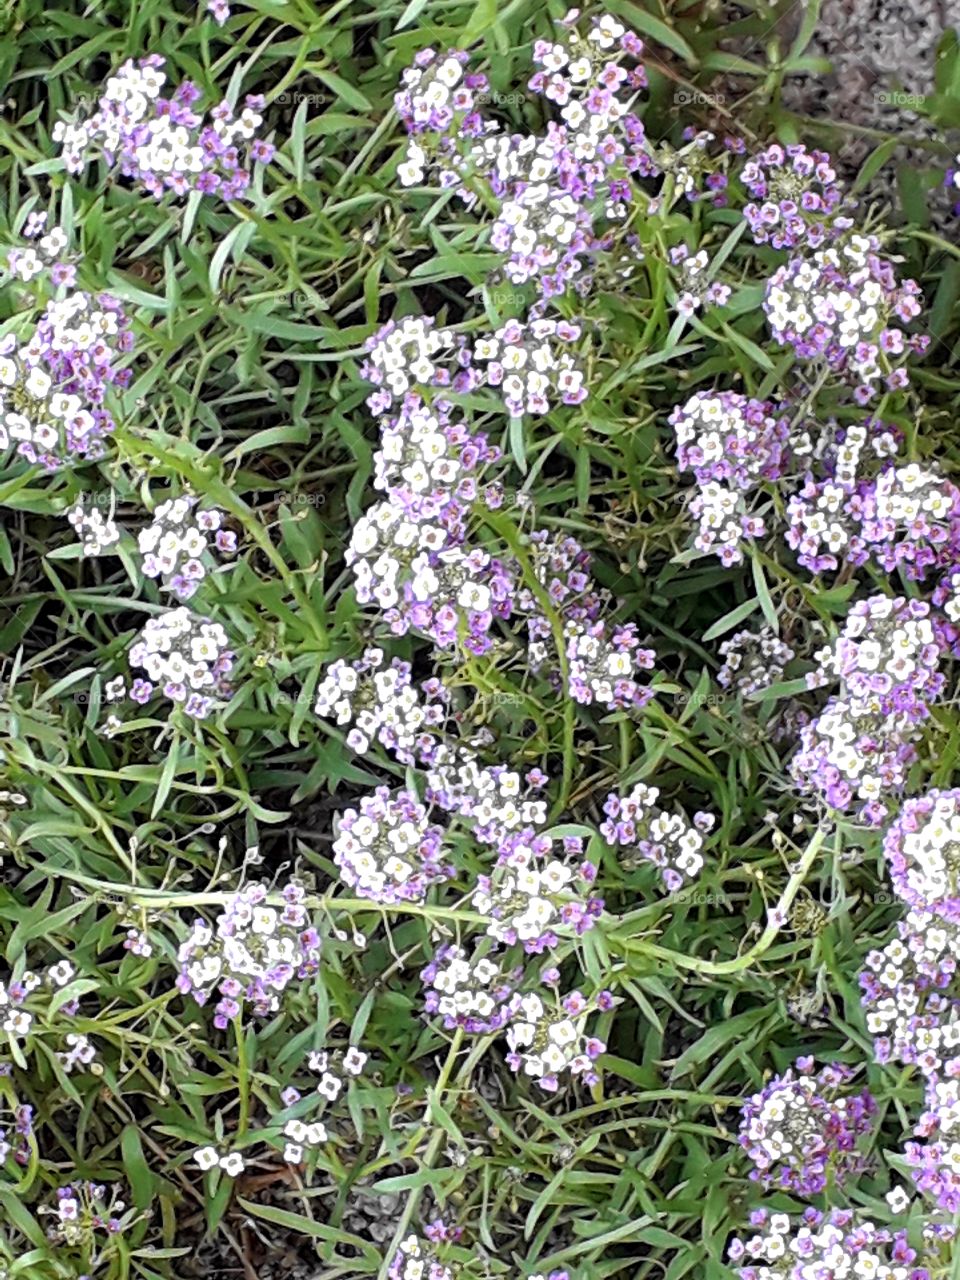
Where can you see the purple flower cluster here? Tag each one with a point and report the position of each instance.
(887, 661)
(84, 1209)
(187, 657)
(379, 700)
(438, 103)
(163, 144)
(802, 1129)
(562, 567)
(29, 263)
(251, 954)
(408, 552)
(32, 994)
(453, 597)
(696, 289)
(426, 452)
(530, 365)
(821, 1246)
(906, 518)
(796, 199)
(545, 1042)
(530, 895)
(52, 389)
(472, 991)
(602, 660)
(753, 660)
(176, 546)
(555, 194)
(650, 834)
(495, 799)
(935, 1169)
(922, 851)
(602, 657)
(844, 306)
(413, 1261)
(387, 850)
(911, 996)
(731, 444)
(410, 353)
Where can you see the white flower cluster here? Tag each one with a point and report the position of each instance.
(491, 796)
(668, 840)
(529, 365)
(922, 850)
(175, 545)
(850, 451)
(16, 1022)
(390, 545)
(753, 660)
(909, 493)
(96, 533)
(433, 97)
(577, 68)
(887, 659)
(321, 1063)
(838, 304)
(253, 952)
(187, 655)
(731, 444)
(79, 1052)
(908, 1010)
(540, 225)
(126, 108)
(381, 704)
(904, 515)
(300, 1134)
(521, 903)
(468, 990)
(546, 1043)
(602, 663)
(841, 1245)
(820, 525)
(387, 850)
(26, 264)
(696, 288)
(413, 1262)
(798, 306)
(415, 453)
(723, 522)
(412, 352)
(45, 424)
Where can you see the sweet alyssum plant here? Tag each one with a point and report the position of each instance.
(446, 564)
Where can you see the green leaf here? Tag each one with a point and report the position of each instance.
(656, 28)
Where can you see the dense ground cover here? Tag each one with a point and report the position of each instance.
(479, 613)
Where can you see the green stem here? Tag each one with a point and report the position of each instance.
(775, 923)
(243, 1077)
(438, 1136)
